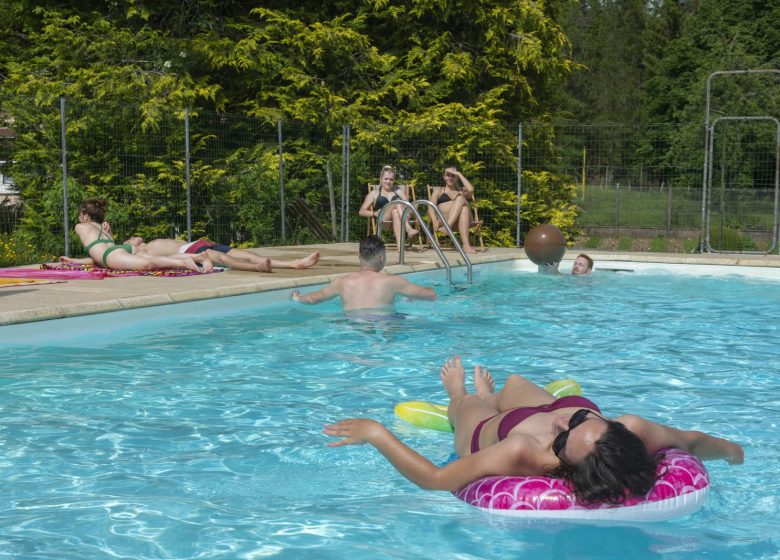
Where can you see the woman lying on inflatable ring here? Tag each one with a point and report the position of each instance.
(524, 431)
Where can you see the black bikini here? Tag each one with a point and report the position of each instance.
(381, 200)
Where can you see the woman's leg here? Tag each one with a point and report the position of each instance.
(464, 411)
(518, 391)
(452, 210)
(464, 223)
(395, 219)
(120, 259)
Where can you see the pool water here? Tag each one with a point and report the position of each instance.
(200, 437)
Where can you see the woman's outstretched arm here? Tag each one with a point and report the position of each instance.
(407, 461)
(704, 446)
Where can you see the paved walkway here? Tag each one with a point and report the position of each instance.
(23, 304)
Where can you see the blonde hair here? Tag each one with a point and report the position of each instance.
(386, 168)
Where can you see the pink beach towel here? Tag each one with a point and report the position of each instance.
(92, 269)
(51, 273)
(88, 272)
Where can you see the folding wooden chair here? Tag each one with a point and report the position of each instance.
(475, 229)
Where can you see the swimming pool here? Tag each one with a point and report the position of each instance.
(199, 436)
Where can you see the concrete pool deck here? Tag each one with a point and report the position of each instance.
(28, 303)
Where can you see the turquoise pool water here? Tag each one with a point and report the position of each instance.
(139, 436)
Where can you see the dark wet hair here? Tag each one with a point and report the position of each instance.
(618, 467)
(587, 258)
(371, 247)
(95, 208)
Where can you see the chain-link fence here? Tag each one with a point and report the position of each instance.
(237, 179)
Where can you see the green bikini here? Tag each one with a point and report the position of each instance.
(107, 239)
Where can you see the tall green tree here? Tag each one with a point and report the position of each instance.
(390, 69)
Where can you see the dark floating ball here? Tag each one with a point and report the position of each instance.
(545, 245)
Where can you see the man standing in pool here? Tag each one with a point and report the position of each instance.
(368, 288)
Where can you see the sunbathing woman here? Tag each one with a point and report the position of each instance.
(95, 235)
(452, 201)
(524, 431)
(380, 197)
(220, 255)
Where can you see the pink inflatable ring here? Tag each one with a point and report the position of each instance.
(681, 488)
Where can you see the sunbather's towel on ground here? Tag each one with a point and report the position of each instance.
(16, 282)
(92, 269)
(87, 272)
(47, 273)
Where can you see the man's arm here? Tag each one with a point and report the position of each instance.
(328, 292)
(414, 291)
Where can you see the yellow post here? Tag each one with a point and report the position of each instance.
(583, 172)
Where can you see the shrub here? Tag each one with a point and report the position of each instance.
(15, 250)
(593, 242)
(659, 245)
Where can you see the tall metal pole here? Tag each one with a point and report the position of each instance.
(188, 193)
(64, 148)
(342, 237)
(519, 180)
(281, 178)
(347, 143)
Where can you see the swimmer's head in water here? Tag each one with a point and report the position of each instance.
(583, 264)
(372, 252)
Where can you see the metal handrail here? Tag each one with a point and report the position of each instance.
(705, 244)
(412, 206)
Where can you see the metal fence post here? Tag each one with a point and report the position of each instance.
(281, 178)
(64, 148)
(617, 209)
(188, 194)
(343, 177)
(519, 180)
(348, 134)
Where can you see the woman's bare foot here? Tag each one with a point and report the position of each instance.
(485, 385)
(469, 250)
(453, 377)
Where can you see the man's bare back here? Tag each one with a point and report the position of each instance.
(367, 288)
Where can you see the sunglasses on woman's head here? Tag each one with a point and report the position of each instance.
(560, 440)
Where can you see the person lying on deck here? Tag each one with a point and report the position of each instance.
(220, 255)
(95, 234)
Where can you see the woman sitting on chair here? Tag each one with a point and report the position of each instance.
(376, 199)
(452, 201)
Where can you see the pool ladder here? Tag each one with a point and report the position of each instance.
(412, 207)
